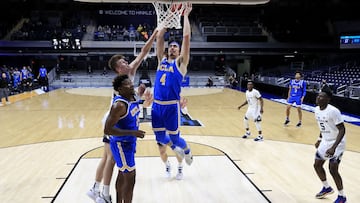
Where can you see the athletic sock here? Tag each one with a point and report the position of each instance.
(326, 184)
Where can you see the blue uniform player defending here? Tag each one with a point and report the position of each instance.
(169, 75)
(296, 94)
(122, 124)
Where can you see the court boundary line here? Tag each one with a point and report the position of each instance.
(225, 154)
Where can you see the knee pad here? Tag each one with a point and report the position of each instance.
(162, 137)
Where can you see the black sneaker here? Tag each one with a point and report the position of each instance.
(298, 125)
(286, 122)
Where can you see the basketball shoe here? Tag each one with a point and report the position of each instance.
(168, 170)
(259, 138)
(287, 121)
(93, 194)
(179, 175)
(103, 199)
(324, 192)
(247, 134)
(340, 199)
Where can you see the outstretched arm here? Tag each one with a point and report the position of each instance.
(134, 65)
(184, 57)
(160, 45)
(243, 104)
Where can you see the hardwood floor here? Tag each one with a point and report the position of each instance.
(44, 137)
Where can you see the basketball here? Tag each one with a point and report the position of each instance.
(177, 7)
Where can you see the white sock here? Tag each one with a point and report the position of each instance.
(167, 163)
(97, 186)
(326, 184)
(180, 166)
(106, 191)
(341, 193)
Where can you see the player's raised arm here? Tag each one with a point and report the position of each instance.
(134, 65)
(184, 58)
(160, 44)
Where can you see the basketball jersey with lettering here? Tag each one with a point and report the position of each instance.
(130, 121)
(167, 81)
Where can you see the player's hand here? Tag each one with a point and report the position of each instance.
(139, 133)
(239, 107)
(330, 152)
(141, 89)
(183, 102)
(302, 99)
(261, 111)
(317, 144)
(188, 9)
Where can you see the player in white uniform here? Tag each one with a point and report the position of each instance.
(254, 110)
(330, 145)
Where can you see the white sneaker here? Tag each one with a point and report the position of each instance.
(189, 158)
(103, 199)
(93, 194)
(8, 102)
(259, 138)
(168, 170)
(179, 152)
(1, 104)
(179, 175)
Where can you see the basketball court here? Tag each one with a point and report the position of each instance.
(51, 144)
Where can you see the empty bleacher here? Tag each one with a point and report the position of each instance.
(97, 79)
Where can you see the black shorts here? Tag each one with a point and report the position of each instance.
(106, 139)
(43, 81)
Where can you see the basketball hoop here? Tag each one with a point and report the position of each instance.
(169, 13)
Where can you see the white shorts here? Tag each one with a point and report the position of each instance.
(325, 145)
(253, 114)
(104, 118)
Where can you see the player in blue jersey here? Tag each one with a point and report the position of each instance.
(296, 94)
(16, 78)
(169, 75)
(122, 124)
(43, 78)
(119, 64)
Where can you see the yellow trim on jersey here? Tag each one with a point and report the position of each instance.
(123, 160)
(166, 102)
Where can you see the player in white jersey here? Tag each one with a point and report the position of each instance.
(330, 145)
(254, 111)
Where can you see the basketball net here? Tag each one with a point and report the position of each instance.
(169, 13)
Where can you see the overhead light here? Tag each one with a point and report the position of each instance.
(289, 56)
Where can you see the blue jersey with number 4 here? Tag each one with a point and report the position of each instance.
(167, 81)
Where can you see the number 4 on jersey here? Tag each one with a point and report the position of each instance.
(163, 79)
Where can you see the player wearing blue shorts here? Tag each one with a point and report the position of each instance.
(122, 124)
(119, 64)
(169, 75)
(296, 94)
